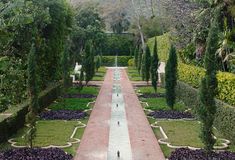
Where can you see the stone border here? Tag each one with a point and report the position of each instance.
(224, 145)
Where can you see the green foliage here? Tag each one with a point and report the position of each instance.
(136, 57)
(226, 81)
(171, 77)
(117, 44)
(207, 108)
(98, 62)
(154, 67)
(163, 46)
(10, 125)
(110, 60)
(224, 118)
(131, 62)
(89, 62)
(140, 60)
(33, 94)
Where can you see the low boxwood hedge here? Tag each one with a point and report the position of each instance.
(110, 60)
(226, 81)
(10, 125)
(225, 116)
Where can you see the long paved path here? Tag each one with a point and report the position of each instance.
(136, 139)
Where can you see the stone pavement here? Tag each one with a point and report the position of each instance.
(136, 139)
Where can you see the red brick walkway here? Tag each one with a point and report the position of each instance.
(94, 144)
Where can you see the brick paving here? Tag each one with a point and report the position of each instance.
(95, 141)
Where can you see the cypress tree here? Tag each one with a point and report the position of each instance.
(208, 87)
(136, 57)
(140, 57)
(33, 95)
(143, 67)
(154, 67)
(171, 77)
(146, 64)
(89, 65)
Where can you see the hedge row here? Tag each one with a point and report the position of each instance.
(226, 81)
(10, 125)
(225, 117)
(110, 60)
(163, 46)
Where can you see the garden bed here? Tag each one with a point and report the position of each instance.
(170, 114)
(63, 115)
(187, 154)
(35, 154)
(151, 95)
(79, 96)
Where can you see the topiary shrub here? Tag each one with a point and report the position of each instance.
(131, 62)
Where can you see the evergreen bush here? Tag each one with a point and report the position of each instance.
(171, 77)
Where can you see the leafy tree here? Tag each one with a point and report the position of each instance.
(208, 87)
(154, 67)
(120, 22)
(171, 77)
(89, 65)
(33, 95)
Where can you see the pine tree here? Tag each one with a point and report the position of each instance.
(154, 67)
(208, 87)
(171, 77)
(33, 95)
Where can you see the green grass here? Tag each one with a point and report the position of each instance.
(71, 104)
(54, 132)
(50, 132)
(133, 74)
(85, 90)
(150, 89)
(99, 76)
(160, 104)
(183, 133)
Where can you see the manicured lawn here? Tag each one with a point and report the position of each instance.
(183, 133)
(149, 90)
(85, 90)
(56, 132)
(133, 74)
(71, 104)
(49, 132)
(160, 104)
(99, 76)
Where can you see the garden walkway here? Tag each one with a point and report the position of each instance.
(135, 138)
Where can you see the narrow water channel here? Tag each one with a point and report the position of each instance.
(119, 140)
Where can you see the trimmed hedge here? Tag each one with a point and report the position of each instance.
(192, 75)
(10, 125)
(163, 46)
(110, 60)
(225, 116)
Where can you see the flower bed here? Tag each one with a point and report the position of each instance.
(62, 115)
(35, 154)
(80, 96)
(171, 114)
(151, 95)
(187, 154)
